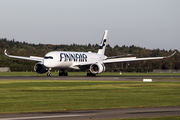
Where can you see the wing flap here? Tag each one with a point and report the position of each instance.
(119, 56)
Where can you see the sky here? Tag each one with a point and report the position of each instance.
(151, 24)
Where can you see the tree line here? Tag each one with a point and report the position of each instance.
(25, 49)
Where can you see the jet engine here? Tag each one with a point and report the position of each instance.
(97, 68)
(40, 68)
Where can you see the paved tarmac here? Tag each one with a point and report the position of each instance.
(96, 114)
(109, 78)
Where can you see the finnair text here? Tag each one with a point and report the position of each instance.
(76, 57)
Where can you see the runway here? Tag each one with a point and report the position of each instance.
(109, 78)
(96, 114)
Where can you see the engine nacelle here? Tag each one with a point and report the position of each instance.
(97, 68)
(40, 68)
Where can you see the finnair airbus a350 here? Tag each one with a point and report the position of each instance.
(94, 62)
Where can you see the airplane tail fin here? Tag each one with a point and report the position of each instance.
(103, 43)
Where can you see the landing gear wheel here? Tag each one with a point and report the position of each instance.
(63, 73)
(48, 74)
(66, 74)
(60, 74)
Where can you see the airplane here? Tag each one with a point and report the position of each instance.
(94, 62)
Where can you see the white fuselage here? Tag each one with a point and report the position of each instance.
(63, 60)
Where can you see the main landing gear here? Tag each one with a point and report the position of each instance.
(63, 73)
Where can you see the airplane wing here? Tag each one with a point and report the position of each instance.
(33, 58)
(129, 59)
(126, 59)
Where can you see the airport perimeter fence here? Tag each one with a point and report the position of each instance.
(165, 71)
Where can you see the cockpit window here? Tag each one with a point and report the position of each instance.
(48, 57)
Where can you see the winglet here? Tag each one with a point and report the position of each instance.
(170, 55)
(5, 52)
(103, 43)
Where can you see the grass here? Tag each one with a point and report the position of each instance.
(152, 118)
(19, 96)
(84, 74)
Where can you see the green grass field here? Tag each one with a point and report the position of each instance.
(19, 96)
(85, 73)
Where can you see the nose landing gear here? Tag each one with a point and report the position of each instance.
(49, 74)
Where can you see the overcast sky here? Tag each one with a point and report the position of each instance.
(145, 23)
